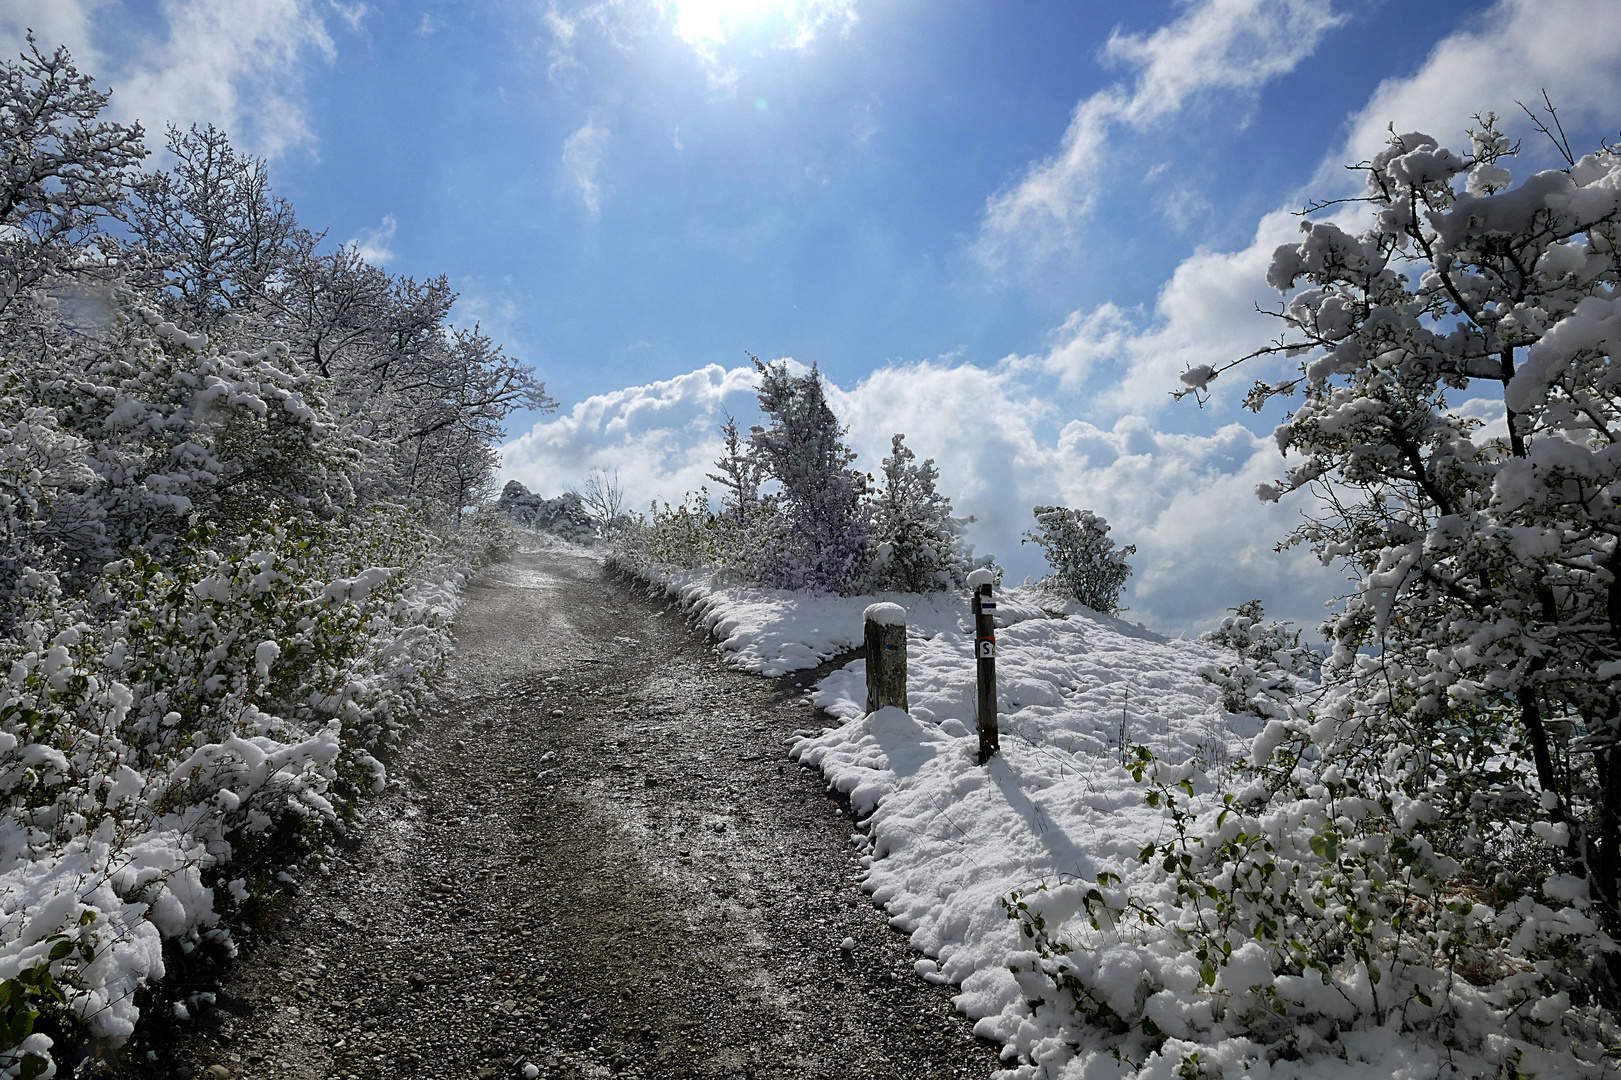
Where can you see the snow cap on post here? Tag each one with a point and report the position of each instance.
(885, 614)
(983, 576)
(884, 633)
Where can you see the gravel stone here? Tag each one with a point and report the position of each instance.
(668, 918)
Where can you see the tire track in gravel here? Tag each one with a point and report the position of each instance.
(601, 863)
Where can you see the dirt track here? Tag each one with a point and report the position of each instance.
(602, 863)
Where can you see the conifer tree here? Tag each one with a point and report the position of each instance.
(916, 544)
(825, 524)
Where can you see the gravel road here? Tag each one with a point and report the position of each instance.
(602, 863)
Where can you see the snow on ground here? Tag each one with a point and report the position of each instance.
(947, 838)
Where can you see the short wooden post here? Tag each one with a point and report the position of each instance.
(985, 662)
(885, 632)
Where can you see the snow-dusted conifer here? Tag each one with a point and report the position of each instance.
(824, 523)
(738, 474)
(1086, 565)
(916, 544)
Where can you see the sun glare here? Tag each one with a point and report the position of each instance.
(712, 22)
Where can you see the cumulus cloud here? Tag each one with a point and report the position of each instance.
(582, 157)
(661, 436)
(1511, 53)
(1205, 313)
(375, 245)
(1233, 45)
(1204, 542)
(234, 63)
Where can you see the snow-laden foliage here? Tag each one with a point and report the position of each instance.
(1086, 565)
(821, 524)
(739, 472)
(916, 545)
(237, 481)
(1425, 847)
(1265, 674)
(564, 516)
(810, 534)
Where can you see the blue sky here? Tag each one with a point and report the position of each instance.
(1003, 227)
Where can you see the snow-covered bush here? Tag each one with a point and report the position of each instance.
(824, 520)
(691, 535)
(238, 481)
(564, 516)
(916, 545)
(1430, 843)
(1086, 565)
(1270, 660)
(1318, 906)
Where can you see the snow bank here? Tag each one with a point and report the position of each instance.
(946, 841)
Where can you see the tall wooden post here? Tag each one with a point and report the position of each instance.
(985, 663)
(885, 633)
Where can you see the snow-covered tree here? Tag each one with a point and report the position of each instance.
(233, 472)
(1264, 677)
(1429, 840)
(916, 545)
(824, 522)
(739, 474)
(1488, 559)
(213, 226)
(1086, 565)
(63, 171)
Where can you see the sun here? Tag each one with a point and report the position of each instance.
(712, 22)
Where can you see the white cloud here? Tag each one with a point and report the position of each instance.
(234, 63)
(375, 245)
(1205, 313)
(54, 22)
(582, 157)
(1205, 542)
(353, 15)
(704, 24)
(1512, 52)
(661, 437)
(1214, 45)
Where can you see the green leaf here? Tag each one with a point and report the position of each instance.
(17, 1027)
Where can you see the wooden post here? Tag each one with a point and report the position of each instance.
(885, 632)
(985, 663)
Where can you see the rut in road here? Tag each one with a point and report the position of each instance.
(602, 864)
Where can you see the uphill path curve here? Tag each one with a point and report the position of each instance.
(600, 863)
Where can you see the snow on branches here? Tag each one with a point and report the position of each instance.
(824, 521)
(916, 545)
(1086, 565)
(234, 482)
(1428, 842)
